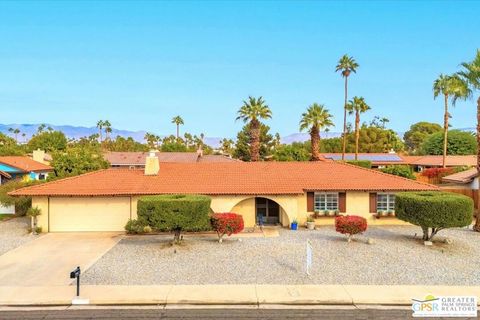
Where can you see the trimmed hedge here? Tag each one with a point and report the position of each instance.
(175, 213)
(434, 211)
(361, 163)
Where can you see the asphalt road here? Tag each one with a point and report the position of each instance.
(98, 313)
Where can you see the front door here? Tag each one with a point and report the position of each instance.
(267, 210)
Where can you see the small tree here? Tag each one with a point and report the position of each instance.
(434, 211)
(350, 225)
(226, 224)
(34, 212)
(400, 170)
(175, 213)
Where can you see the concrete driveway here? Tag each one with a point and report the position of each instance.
(49, 259)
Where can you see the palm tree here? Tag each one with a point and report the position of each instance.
(316, 118)
(450, 87)
(357, 106)
(178, 121)
(100, 125)
(471, 75)
(346, 65)
(252, 111)
(226, 146)
(41, 128)
(108, 129)
(384, 121)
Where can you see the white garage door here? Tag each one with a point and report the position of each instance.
(89, 214)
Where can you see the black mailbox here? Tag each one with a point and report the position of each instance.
(75, 274)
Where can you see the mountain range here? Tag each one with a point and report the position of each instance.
(76, 132)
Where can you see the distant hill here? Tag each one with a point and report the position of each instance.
(75, 132)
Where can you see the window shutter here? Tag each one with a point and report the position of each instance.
(342, 202)
(373, 203)
(310, 200)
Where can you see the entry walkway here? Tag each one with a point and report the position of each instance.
(48, 260)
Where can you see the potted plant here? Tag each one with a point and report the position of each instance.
(316, 214)
(310, 223)
(294, 224)
(337, 212)
(391, 213)
(325, 213)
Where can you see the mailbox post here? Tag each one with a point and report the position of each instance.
(75, 274)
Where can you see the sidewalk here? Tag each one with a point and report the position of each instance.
(228, 294)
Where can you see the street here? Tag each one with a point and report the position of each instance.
(220, 312)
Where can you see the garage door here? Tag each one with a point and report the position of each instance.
(89, 214)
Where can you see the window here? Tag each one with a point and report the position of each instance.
(326, 201)
(385, 201)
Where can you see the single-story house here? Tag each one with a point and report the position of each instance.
(467, 179)
(279, 192)
(378, 160)
(137, 159)
(419, 163)
(20, 167)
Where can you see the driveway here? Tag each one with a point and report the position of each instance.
(49, 259)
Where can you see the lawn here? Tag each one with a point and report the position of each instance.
(395, 257)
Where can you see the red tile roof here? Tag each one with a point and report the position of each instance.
(138, 158)
(227, 178)
(436, 161)
(24, 163)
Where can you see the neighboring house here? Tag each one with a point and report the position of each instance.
(378, 160)
(280, 192)
(465, 182)
(420, 163)
(137, 159)
(18, 167)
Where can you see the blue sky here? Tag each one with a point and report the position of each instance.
(138, 64)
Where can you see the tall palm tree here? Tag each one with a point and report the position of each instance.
(471, 75)
(178, 121)
(346, 65)
(316, 118)
(450, 86)
(252, 111)
(100, 125)
(357, 106)
(108, 129)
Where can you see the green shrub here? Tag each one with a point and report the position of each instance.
(434, 211)
(361, 163)
(175, 213)
(22, 204)
(135, 226)
(400, 170)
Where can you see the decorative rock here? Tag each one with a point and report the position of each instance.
(220, 240)
(239, 239)
(448, 241)
(428, 243)
(370, 241)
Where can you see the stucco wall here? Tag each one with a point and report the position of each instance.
(113, 211)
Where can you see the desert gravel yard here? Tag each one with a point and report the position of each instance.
(13, 233)
(395, 257)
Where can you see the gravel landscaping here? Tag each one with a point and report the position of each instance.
(395, 257)
(13, 233)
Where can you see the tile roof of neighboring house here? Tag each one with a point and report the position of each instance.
(138, 158)
(24, 163)
(227, 178)
(462, 177)
(5, 174)
(452, 161)
(375, 158)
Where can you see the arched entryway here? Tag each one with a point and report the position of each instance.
(267, 211)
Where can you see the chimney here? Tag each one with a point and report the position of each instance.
(152, 165)
(39, 156)
(200, 151)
